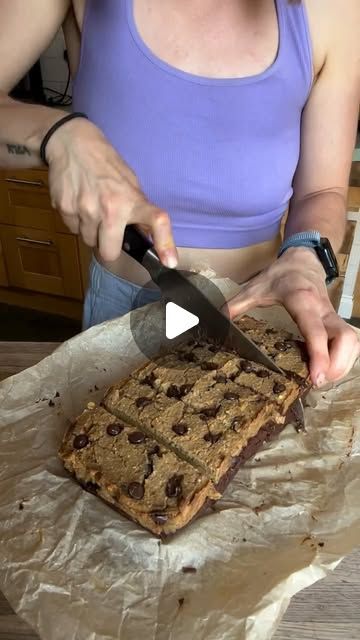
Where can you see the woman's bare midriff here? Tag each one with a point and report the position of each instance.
(237, 264)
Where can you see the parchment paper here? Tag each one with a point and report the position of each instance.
(74, 569)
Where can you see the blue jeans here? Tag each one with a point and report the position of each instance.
(109, 296)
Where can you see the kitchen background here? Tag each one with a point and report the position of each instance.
(43, 267)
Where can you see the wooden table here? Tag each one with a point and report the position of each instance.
(329, 610)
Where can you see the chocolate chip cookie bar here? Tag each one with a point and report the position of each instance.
(287, 352)
(134, 473)
(204, 405)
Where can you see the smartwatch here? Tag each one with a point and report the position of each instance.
(322, 248)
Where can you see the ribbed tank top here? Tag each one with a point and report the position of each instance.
(218, 154)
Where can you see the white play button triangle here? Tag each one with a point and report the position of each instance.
(178, 320)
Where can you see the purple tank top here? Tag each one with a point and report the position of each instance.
(219, 155)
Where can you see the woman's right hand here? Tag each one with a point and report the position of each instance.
(97, 194)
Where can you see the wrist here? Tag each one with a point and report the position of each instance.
(303, 257)
(59, 135)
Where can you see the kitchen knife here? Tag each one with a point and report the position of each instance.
(177, 288)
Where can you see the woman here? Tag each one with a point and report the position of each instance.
(206, 120)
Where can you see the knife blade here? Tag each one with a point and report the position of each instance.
(177, 288)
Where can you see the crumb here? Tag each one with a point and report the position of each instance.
(321, 544)
(159, 543)
(91, 405)
(96, 387)
(57, 395)
(104, 369)
(51, 403)
(181, 602)
(188, 570)
(244, 540)
(257, 459)
(36, 401)
(90, 390)
(21, 506)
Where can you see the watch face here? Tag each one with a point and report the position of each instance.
(328, 260)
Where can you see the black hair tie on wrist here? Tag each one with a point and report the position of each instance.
(54, 128)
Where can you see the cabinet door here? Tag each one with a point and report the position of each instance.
(3, 276)
(42, 261)
(25, 201)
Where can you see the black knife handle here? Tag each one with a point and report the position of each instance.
(135, 244)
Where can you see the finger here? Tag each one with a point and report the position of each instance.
(344, 346)
(161, 232)
(72, 222)
(255, 294)
(311, 326)
(110, 239)
(89, 232)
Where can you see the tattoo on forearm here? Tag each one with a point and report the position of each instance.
(18, 150)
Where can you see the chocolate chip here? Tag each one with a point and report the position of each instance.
(210, 412)
(136, 437)
(188, 569)
(173, 487)
(263, 373)
(209, 366)
(185, 388)
(159, 518)
(180, 429)
(231, 395)
(278, 387)
(212, 437)
(149, 379)
(173, 391)
(80, 441)
(221, 378)
(51, 403)
(237, 422)
(142, 402)
(92, 487)
(280, 346)
(114, 429)
(246, 366)
(136, 491)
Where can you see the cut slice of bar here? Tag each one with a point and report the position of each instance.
(133, 473)
(209, 421)
(288, 352)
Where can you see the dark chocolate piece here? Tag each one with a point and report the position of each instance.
(212, 437)
(246, 366)
(136, 437)
(221, 378)
(173, 487)
(173, 392)
(180, 429)
(142, 402)
(81, 441)
(231, 395)
(114, 429)
(278, 387)
(159, 518)
(136, 491)
(188, 569)
(263, 373)
(209, 366)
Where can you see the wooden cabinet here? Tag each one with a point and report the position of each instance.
(42, 261)
(3, 274)
(42, 264)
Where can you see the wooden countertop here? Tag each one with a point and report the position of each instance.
(329, 610)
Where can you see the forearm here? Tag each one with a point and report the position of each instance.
(324, 212)
(22, 129)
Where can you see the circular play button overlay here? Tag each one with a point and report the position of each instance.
(186, 306)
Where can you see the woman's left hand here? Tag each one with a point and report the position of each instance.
(297, 281)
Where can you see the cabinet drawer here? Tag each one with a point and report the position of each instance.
(25, 201)
(41, 261)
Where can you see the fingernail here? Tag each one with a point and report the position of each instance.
(321, 380)
(170, 260)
